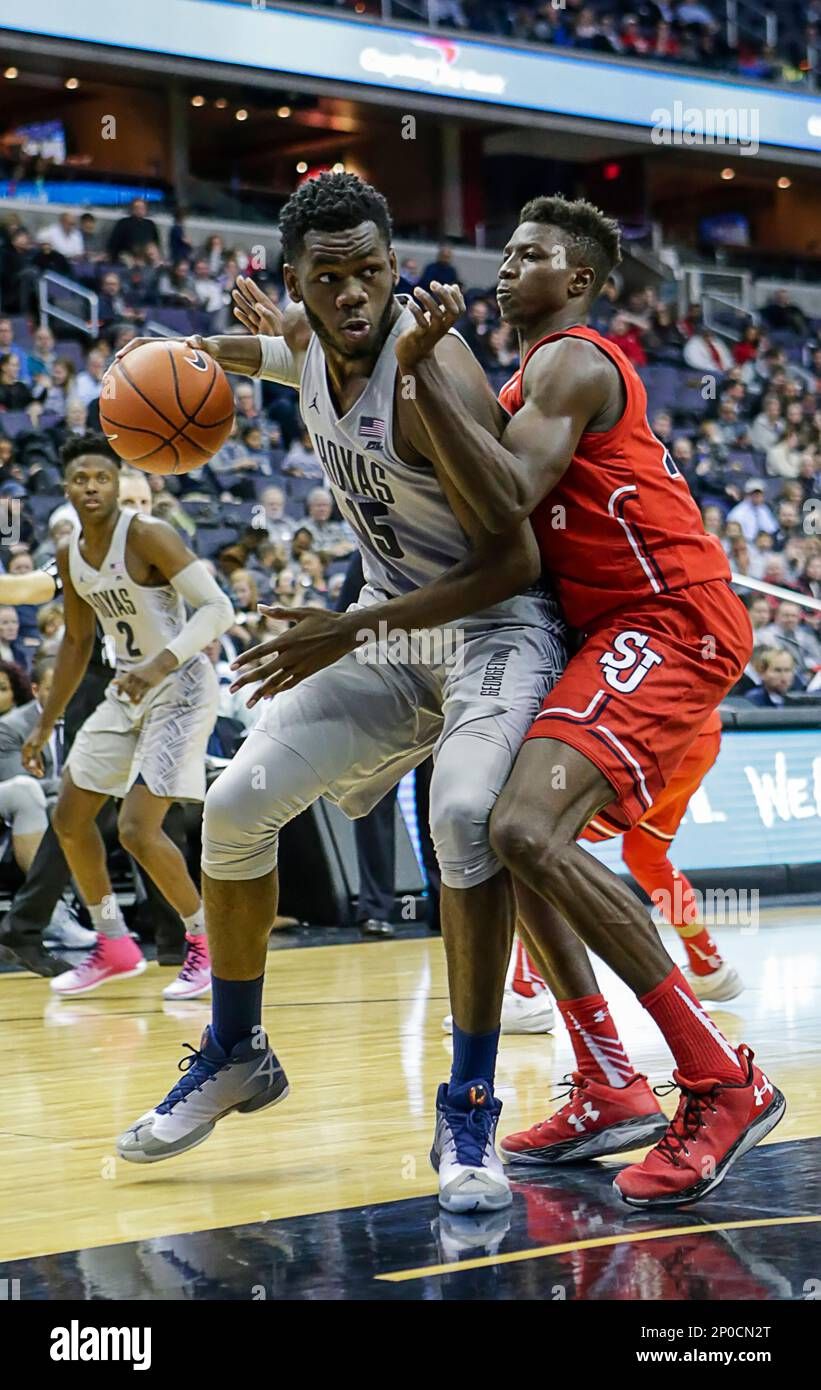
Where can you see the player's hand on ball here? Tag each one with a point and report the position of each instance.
(317, 640)
(137, 682)
(435, 311)
(32, 750)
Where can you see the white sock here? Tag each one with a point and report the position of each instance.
(107, 919)
(195, 924)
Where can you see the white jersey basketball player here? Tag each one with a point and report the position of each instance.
(145, 742)
(367, 715)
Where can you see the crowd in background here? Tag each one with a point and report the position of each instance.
(741, 421)
(675, 31)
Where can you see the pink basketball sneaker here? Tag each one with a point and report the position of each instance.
(195, 977)
(110, 960)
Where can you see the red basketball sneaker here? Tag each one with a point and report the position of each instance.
(596, 1120)
(716, 1122)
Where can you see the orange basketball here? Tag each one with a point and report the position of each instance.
(166, 407)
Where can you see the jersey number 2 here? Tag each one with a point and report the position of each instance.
(130, 645)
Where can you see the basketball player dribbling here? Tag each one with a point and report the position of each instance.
(356, 726)
(664, 639)
(146, 741)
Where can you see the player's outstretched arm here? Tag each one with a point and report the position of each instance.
(158, 545)
(566, 387)
(35, 587)
(69, 667)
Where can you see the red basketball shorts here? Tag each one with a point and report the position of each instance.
(643, 685)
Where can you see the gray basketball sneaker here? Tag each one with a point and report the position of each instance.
(214, 1084)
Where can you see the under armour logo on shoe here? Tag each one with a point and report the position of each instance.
(578, 1121)
(600, 1015)
(766, 1089)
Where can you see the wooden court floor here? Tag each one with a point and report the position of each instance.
(358, 1029)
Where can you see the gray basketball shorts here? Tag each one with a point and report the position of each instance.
(163, 738)
(350, 732)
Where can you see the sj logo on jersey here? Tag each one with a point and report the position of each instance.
(632, 657)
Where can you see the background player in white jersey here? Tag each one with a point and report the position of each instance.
(351, 730)
(146, 740)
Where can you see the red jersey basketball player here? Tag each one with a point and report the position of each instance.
(664, 639)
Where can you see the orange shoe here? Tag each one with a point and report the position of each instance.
(715, 1124)
(596, 1120)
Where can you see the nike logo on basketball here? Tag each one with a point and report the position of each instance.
(198, 361)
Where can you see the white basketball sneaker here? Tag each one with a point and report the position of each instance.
(214, 1083)
(65, 930)
(520, 1013)
(194, 979)
(471, 1175)
(720, 985)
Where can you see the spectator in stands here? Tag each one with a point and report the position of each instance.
(12, 648)
(789, 522)
(776, 668)
(244, 594)
(501, 353)
(60, 528)
(179, 245)
(59, 387)
(14, 393)
(286, 588)
(16, 283)
(310, 580)
(176, 287)
(408, 276)
(475, 327)
(15, 689)
(89, 381)
(626, 334)
(784, 459)
(713, 519)
(768, 426)
(93, 249)
(65, 236)
(214, 253)
(300, 460)
(113, 306)
(704, 352)
(130, 235)
(731, 430)
(280, 527)
(208, 295)
(663, 340)
(8, 347)
(780, 315)
(810, 581)
(43, 356)
(753, 513)
(747, 350)
(334, 539)
(442, 269)
(759, 612)
(791, 634)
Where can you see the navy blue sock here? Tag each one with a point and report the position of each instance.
(474, 1056)
(236, 1009)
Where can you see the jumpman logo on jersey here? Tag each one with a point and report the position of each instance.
(578, 1122)
(313, 405)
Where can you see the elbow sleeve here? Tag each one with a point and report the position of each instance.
(212, 615)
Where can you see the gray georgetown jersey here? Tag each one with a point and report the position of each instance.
(405, 529)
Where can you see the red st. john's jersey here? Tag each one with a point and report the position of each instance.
(621, 524)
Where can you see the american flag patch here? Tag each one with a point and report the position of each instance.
(372, 430)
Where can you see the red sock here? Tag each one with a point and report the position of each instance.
(596, 1043)
(526, 979)
(699, 1047)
